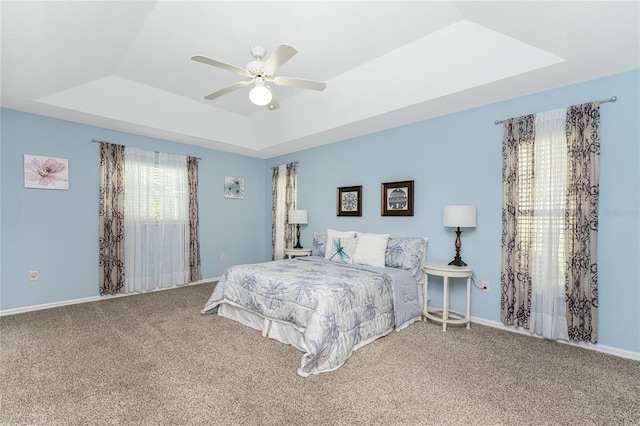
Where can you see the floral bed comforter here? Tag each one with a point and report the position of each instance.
(339, 307)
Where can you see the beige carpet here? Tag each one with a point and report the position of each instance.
(153, 359)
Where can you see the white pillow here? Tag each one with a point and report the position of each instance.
(371, 249)
(347, 250)
(330, 249)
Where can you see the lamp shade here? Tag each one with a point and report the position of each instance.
(297, 216)
(459, 216)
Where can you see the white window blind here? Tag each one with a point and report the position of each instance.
(161, 191)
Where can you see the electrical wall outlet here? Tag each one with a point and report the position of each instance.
(485, 285)
(223, 256)
(33, 275)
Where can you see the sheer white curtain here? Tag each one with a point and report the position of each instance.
(548, 262)
(156, 220)
(140, 218)
(173, 225)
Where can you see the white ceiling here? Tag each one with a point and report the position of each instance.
(126, 65)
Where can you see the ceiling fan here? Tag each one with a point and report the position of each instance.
(260, 73)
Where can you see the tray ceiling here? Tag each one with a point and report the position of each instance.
(126, 65)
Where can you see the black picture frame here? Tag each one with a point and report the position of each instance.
(397, 198)
(349, 201)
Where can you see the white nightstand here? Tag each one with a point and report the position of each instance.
(446, 272)
(291, 253)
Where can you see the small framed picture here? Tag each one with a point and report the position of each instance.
(234, 187)
(349, 201)
(46, 172)
(397, 198)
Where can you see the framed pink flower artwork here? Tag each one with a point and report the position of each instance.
(46, 172)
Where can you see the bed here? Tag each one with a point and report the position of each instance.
(332, 303)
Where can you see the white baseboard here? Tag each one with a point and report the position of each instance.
(586, 345)
(91, 299)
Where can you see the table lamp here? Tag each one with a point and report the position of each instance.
(459, 217)
(297, 217)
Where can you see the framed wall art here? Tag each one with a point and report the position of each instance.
(46, 172)
(234, 187)
(349, 201)
(397, 198)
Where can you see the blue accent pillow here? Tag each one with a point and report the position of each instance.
(406, 253)
(344, 250)
(319, 243)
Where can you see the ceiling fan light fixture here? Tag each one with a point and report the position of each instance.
(260, 95)
(260, 72)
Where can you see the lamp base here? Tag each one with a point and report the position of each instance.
(457, 261)
(298, 245)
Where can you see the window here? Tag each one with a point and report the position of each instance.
(542, 194)
(164, 189)
(156, 220)
(550, 186)
(284, 198)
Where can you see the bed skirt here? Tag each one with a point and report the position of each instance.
(280, 331)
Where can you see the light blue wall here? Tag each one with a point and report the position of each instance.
(56, 232)
(456, 159)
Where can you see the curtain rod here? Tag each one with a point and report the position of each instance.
(611, 99)
(290, 162)
(97, 141)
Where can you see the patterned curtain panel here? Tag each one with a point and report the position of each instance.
(583, 143)
(290, 202)
(518, 143)
(195, 267)
(274, 209)
(111, 219)
(283, 199)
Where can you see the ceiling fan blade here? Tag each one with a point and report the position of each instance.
(298, 82)
(273, 105)
(228, 89)
(220, 64)
(283, 53)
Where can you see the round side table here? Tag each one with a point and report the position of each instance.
(445, 315)
(291, 253)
